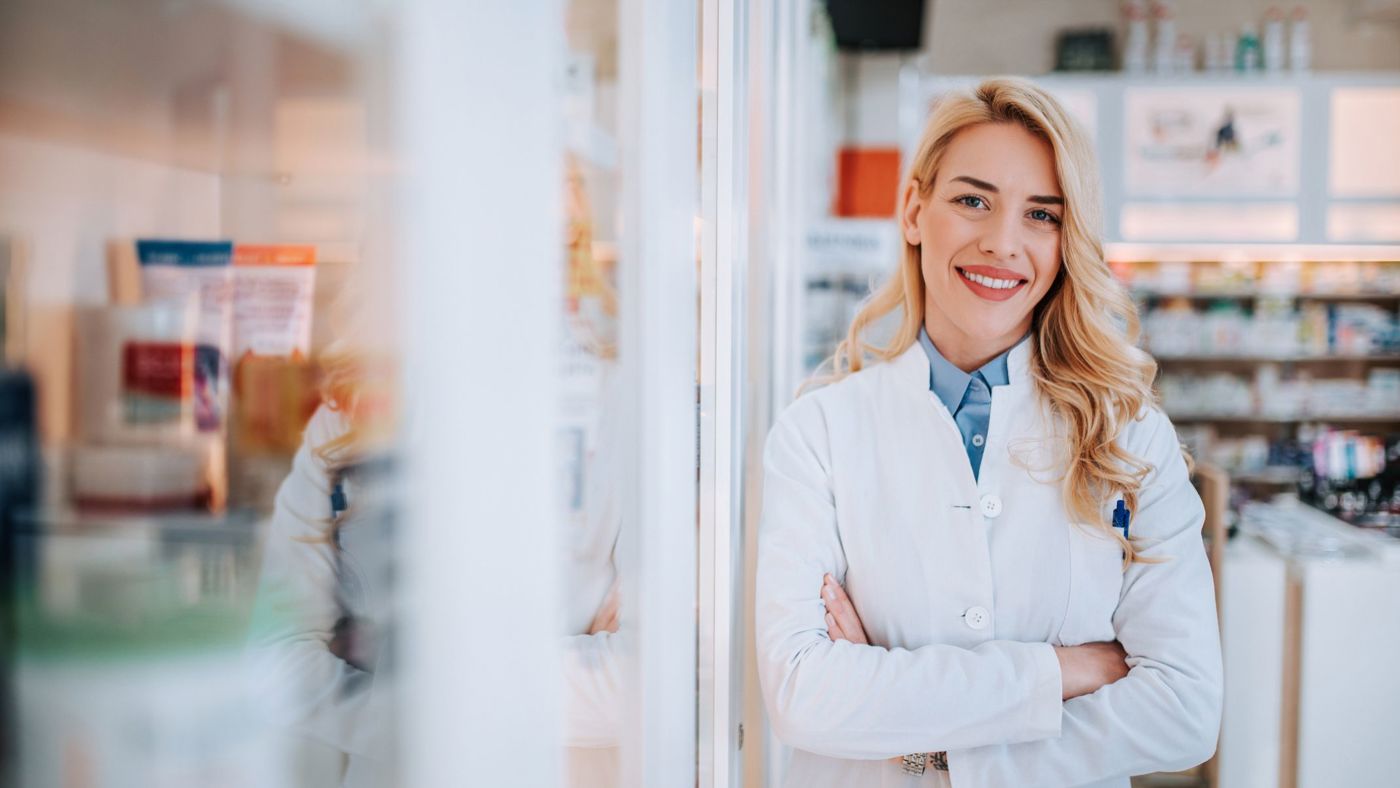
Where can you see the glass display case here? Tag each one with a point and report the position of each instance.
(382, 364)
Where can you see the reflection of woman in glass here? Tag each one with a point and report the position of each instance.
(324, 619)
(325, 608)
(940, 580)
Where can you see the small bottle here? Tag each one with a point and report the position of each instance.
(1164, 45)
(1217, 55)
(1135, 45)
(1247, 49)
(1185, 56)
(1274, 54)
(1300, 41)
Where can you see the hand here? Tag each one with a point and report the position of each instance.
(842, 623)
(605, 620)
(1083, 669)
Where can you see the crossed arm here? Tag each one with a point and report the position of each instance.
(1083, 669)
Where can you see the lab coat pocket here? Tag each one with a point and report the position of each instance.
(1095, 583)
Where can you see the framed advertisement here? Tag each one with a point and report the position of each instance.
(1203, 142)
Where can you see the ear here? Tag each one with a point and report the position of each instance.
(909, 215)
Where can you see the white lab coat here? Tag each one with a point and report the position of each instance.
(963, 585)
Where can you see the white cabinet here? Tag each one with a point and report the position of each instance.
(1310, 634)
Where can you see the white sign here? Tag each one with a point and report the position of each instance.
(1226, 142)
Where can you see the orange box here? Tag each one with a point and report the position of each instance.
(867, 182)
(253, 254)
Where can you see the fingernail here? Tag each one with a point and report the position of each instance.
(826, 592)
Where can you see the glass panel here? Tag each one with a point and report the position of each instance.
(592, 428)
(201, 359)
(627, 421)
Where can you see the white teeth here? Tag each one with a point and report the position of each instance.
(995, 284)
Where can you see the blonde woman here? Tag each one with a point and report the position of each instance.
(943, 596)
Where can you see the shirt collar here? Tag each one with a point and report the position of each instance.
(950, 383)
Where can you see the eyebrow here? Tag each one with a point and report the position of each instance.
(1042, 199)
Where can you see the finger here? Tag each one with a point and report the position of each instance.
(839, 605)
(606, 617)
(833, 630)
(610, 605)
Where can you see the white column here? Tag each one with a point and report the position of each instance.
(481, 233)
(658, 41)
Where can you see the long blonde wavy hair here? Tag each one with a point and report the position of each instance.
(1083, 360)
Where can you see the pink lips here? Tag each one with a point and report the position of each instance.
(991, 293)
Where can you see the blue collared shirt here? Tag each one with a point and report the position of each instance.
(967, 396)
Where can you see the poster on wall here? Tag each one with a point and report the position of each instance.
(1228, 142)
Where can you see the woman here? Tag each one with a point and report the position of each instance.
(938, 569)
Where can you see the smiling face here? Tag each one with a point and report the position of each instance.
(988, 233)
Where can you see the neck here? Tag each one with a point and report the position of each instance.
(966, 352)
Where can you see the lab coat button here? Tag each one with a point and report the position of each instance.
(977, 617)
(991, 505)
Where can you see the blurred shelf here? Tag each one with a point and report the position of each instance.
(236, 524)
(1214, 295)
(1276, 474)
(1334, 418)
(1171, 252)
(1379, 358)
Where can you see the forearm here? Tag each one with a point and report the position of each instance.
(851, 701)
(1154, 720)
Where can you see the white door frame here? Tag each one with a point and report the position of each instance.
(657, 552)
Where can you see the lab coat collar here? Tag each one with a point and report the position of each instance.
(913, 366)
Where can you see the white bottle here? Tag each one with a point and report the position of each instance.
(1214, 46)
(1135, 46)
(1274, 54)
(1164, 43)
(1185, 55)
(1300, 41)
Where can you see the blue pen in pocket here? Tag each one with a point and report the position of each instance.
(1121, 516)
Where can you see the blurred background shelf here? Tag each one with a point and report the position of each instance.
(1376, 358)
(1336, 418)
(1252, 295)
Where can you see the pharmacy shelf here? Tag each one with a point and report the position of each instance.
(1222, 251)
(1251, 295)
(1334, 418)
(1207, 358)
(1275, 475)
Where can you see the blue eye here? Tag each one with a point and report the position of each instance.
(1042, 215)
(971, 201)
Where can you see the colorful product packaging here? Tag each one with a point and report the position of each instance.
(276, 386)
(274, 287)
(175, 269)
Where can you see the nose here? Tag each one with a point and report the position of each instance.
(1001, 238)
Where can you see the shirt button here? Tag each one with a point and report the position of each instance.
(976, 617)
(977, 440)
(991, 505)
